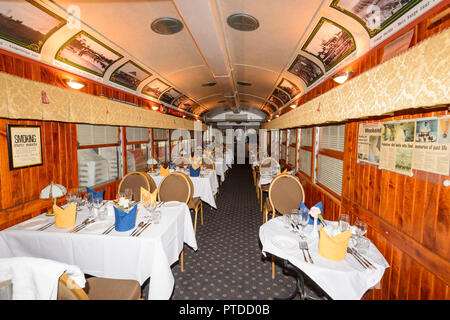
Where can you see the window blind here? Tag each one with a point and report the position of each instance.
(306, 137)
(135, 134)
(93, 135)
(160, 134)
(305, 161)
(330, 173)
(291, 156)
(332, 137)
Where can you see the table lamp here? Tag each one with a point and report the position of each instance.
(152, 162)
(52, 191)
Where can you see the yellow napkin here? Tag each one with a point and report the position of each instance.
(195, 166)
(65, 218)
(164, 171)
(278, 171)
(192, 159)
(334, 248)
(148, 197)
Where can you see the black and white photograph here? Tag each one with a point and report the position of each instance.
(330, 43)
(283, 96)
(155, 88)
(88, 54)
(169, 95)
(306, 70)
(180, 101)
(277, 102)
(289, 87)
(129, 75)
(374, 15)
(27, 24)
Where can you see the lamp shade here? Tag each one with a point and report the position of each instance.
(53, 190)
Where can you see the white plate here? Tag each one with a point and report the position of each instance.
(98, 226)
(171, 204)
(35, 223)
(285, 243)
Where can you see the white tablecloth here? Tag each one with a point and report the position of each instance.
(221, 168)
(341, 280)
(116, 255)
(205, 186)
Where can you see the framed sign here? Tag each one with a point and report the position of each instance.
(24, 146)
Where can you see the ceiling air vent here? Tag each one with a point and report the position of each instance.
(209, 84)
(244, 83)
(243, 22)
(166, 25)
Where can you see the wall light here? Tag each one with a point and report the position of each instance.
(342, 77)
(155, 108)
(293, 106)
(74, 84)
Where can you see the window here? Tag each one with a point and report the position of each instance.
(330, 159)
(305, 150)
(160, 143)
(283, 138)
(292, 149)
(137, 148)
(98, 154)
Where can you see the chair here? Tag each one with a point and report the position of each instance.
(175, 187)
(267, 165)
(194, 204)
(180, 161)
(98, 289)
(285, 194)
(134, 181)
(208, 163)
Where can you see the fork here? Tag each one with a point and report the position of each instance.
(304, 246)
(363, 258)
(357, 258)
(303, 251)
(45, 226)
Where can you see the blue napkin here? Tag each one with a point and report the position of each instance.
(311, 219)
(172, 165)
(194, 173)
(97, 195)
(125, 221)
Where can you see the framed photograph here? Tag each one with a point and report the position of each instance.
(169, 95)
(155, 88)
(330, 43)
(306, 70)
(280, 94)
(374, 15)
(275, 101)
(180, 101)
(289, 87)
(27, 24)
(86, 53)
(24, 146)
(129, 75)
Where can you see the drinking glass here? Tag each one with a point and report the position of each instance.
(362, 244)
(102, 213)
(90, 203)
(155, 216)
(344, 222)
(361, 228)
(129, 193)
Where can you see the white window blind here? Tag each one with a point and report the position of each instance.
(306, 137)
(330, 173)
(283, 152)
(305, 161)
(93, 135)
(291, 138)
(332, 137)
(160, 134)
(291, 156)
(135, 134)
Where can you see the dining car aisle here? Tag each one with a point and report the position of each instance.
(228, 263)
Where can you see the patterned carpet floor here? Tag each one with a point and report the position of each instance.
(228, 264)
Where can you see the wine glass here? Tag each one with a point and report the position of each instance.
(344, 222)
(129, 193)
(90, 203)
(361, 228)
(303, 219)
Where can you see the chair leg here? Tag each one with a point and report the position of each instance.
(182, 261)
(201, 213)
(261, 199)
(273, 268)
(195, 221)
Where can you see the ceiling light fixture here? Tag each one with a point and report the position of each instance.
(166, 25)
(243, 22)
(74, 84)
(342, 77)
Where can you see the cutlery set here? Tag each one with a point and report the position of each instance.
(82, 225)
(304, 247)
(140, 228)
(360, 258)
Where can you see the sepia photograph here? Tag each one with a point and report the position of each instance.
(169, 95)
(27, 24)
(427, 130)
(280, 94)
(129, 75)
(289, 87)
(330, 43)
(180, 101)
(306, 70)
(277, 102)
(155, 88)
(88, 54)
(374, 15)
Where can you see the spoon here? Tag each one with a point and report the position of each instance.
(139, 225)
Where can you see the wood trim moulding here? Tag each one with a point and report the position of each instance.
(22, 98)
(415, 79)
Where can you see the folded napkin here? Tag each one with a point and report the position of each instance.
(65, 218)
(334, 248)
(278, 171)
(172, 165)
(194, 172)
(97, 195)
(317, 205)
(125, 220)
(148, 197)
(164, 171)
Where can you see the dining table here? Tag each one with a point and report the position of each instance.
(117, 254)
(205, 185)
(221, 167)
(346, 279)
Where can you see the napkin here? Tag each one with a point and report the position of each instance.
(65, 218)
(164, 171)
(125, 220)
(148, 197)
(172, 165)
(334, 248)
(317, 205)
(194, 172)
(278, 171)
(97, 195)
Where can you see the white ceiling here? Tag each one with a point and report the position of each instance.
(207, 49)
